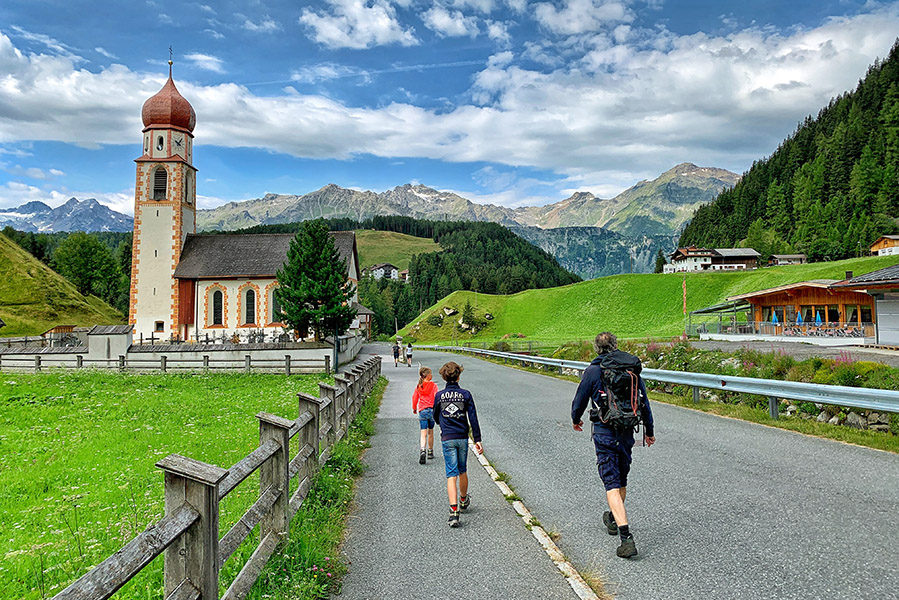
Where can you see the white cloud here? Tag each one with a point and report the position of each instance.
(448, 23)
(31, 172)
(207, 62)
(499, 32)
(50, 43)
(581, 16)
(357, 24)
(326, 72)
(639, 107)
(104, 52)
(484, 6)
(265, 25)
(16, 193)
(214, 34)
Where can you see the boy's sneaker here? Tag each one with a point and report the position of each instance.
(627, 548)
(421, 457)
(430, 453)
(464, 504)
(454, 518)
(609, 521)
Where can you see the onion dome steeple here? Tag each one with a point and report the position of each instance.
(168, 108)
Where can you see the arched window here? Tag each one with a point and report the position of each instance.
(187, 179)
(217, 301)
(250, 307)
(276, 308)
(160, 143)
(160, 183)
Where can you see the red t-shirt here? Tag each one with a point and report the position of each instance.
(423, 396)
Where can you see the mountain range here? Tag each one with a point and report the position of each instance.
(74, 215)
(661, 206)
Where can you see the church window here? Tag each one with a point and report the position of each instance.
(276, 308)
(217, 298)
(159, 326)
(160, 183)
(160, 143)
(187, 178)
(250, 307)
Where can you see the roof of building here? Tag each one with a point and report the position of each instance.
(886, 237)
(361, 310)
(109, 329)
(383, 266)
(736, 252)
(236, 255)
(168, 108)
(788, 256)
(887, 276)
(812, 283)
(691, 251)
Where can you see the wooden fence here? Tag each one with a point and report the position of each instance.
(167, 363)
(188, 534)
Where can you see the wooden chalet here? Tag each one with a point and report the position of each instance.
(692, 258)
(885, 245)
(778, 260)
(882, 287)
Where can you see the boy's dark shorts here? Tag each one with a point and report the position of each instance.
(613, 455)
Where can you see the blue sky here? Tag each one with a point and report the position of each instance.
(506, 101)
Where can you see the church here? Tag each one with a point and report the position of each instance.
(187, 286)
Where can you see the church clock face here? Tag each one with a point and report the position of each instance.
(179, 142)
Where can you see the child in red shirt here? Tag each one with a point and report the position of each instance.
(423, 405)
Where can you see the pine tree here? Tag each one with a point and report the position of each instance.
(660, 262)
(313, 289)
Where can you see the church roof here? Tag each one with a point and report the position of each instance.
(168, 108)
(238, 255)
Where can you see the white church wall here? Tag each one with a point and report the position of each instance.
(234, 307)
(156, 259)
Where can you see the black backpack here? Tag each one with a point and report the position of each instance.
(620, 406)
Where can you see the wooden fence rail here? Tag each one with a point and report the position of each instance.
(168, 363)
(188, 534)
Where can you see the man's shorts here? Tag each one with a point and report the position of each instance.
(455, 455)
(613, 455)
(426, 418)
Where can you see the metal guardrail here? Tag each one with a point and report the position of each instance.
(864, 398)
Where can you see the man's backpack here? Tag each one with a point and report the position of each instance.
(620, 406)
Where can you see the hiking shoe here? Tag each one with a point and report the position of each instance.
(430, 453)
(609, 521)
(454, 519)
(464, 504)
(627, 548)
(421, 457)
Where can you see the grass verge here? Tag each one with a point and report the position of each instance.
(308, 566)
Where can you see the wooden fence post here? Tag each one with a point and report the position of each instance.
(194, 556)
(275, 473)
(121, 362)
(310, 432)
(327, 364)
(205, 363)
(329, 391)
(37, 363)
(344, 393)
(79, 361)
(162, 363)
(246, 363)
(287, 365)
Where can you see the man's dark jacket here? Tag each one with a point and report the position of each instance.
(591, 385)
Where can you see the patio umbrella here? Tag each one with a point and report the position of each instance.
(774, 317)
(817, 318)
(799, 318)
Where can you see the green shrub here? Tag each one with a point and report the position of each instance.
(809, 408)
(435, 320)
(894, 424)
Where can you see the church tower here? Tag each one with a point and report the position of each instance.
(164, 214)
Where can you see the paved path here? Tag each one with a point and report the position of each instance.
(398, 542)
(720, 508)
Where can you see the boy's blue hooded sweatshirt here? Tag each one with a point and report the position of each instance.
(591, 385)
(454, 410)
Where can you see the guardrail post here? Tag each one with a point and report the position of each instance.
(246, 363)
(37, 363)
(275, 472)
(121, 362)
(327, 364)
(162, 363)
(695, 394)
(310, 431)
(287, 365)
(194, 555)
(773, 407)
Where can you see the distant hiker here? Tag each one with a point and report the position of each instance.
(396, 354)
(423, 405)
(612, 383)
(409, 354)
(454, 411)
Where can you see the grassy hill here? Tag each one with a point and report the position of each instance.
(34, 298)
(390, 247)
(628, 305)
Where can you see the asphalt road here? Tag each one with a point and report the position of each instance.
(720, 508)
(398, 542)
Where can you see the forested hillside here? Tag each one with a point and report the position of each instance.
(478, 256)
(829, 190)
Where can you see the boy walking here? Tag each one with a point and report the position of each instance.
(454, 411)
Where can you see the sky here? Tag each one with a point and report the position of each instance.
(512, 102)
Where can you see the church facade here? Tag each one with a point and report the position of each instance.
(186, 286)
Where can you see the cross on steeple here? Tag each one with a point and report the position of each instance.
(170, 61)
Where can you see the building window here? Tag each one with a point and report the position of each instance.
(217, 302)
(276, 308)
(160, 183)
(160, 143)
(187, 178)
(250, 308)
(159, 327)
(867, 316)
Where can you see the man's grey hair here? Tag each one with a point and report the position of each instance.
(605, 342)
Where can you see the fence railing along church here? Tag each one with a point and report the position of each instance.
(188, 534)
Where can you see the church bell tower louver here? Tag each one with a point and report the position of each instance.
(164, 214)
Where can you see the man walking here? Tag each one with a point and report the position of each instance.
(613, 383)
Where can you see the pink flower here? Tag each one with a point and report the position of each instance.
(329, 574)
(314, 568)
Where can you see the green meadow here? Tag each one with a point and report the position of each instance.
(632, 306)
(390, 247)
(77, 455)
